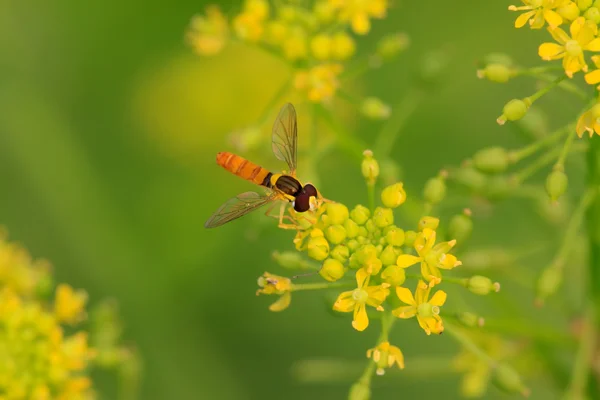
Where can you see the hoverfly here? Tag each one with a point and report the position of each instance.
(283, 186)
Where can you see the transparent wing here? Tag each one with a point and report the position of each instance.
(236, 207)
(285, 136)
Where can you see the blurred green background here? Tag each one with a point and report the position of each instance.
(109, 126)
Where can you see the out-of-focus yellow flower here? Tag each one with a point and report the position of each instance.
(69, 305)
(274, 284)
(571, 48)
(208, 34)
(359, 12)
(385, 356)
(432, 256)
(250, 23)
(38, 360)
(537, 12)
(589, 121)
(321, 46)
(295, 46)
(319, 83)
(356, 300)
(342, 46)
(427, 310)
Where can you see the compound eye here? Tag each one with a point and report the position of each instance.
(310, 190)
(302, 202)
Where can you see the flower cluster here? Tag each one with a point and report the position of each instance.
(362, 248)
(45, 350)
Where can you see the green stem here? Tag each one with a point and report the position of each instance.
(371, 194)
(518, 155)
(467, 343)
(546, 89)
(543, 161)
(400, 115)
(593, 219)
(566, 85)
(581, 371)
(565, 150)
(322, 285)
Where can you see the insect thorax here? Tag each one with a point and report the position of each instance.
(287, 184)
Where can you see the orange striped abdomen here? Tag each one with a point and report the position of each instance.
(244, 169)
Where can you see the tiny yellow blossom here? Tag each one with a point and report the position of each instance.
(69, 305)
(593, 78)
(385, 356)
(273, 284)
(432, 256)
(427, 310)
(589, 121)
(571, 48)
(358, 12)
(321, 46)
(343, 46)
(356, 300)
(537, 12)
(320, 82)
(208, 34)
(250, 24)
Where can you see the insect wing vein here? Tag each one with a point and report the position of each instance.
(285, 136)
(238, 206)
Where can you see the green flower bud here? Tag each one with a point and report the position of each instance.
(486, 259)
(435, 190)
(374, 108)
(507, 379)
(360, 214)
(584, 4)
(395, 236)
(362, 256)
(363, 232)
(432, 67)
(337, 213)
(335, 234)
(370, 226)
(360, 391)
(481, 285)
(332, 270)
(496, 73)
(393, 196)
(592, 14)
(499, 187)
(491, 160)
(363, 240)
(382, 217)
(352, 228)
(470, 320)
(291, 260)
(390, 46)
(556, 184)
(394, 275)
(409, 238)
(460, 227)
(498, 58)
(388, 255)
(340, 253)
(428, 222)
(373, 265)
(318, 248)
(353, 245)
(471, 178)
(569, 11)
(548, 283)
(514, 110)
(370, 167)
(535, 123)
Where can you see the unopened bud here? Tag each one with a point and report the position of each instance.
(392, 45)
(491, 160)
(374, 108)
(470, 320)
(514, 110)
(291, 260)
(335, 234)
(435, 190)
(428, 222)
(409, 238)
(486, 259)
(337, 213)
(499, 187)
(388, 255)
(507, 379)
(584, 4)
(340, 253)
(498, 58)
(318, 248)
(383, 217)
(394, 275)
(370, 167)
(482, 285)
(556, 184)
(352, 228)
(496, 73)
(360, 214)
(394, 195)
(471, 178)
(332, 270)
(362, 256)
(592, 14)
(569, 11)
(395, 236)
(548, 283)
(460, 227)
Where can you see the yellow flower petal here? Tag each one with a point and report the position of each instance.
(405, 295)
(405, 312)
(571, 65)
(345, 302)
(377, 294)
(282, 303)
(361, 24)
(523, 18)
(593, 45)
(552, 17)
(422, 292)
(406, 260)
(438, 299)
(559, 35)
(551, 51)
(576, 26)
(593, 77)
(361, 320)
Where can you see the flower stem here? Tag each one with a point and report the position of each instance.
(518, 155)
(322, 285)
(400, 115)
(371, 194)
(467, 343)
(543, 161)
(593, 219)
(565, 150)
(546, 89)
(581, 371)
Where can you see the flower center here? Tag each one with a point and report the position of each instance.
(573, 48)
(360, 295)
(425, 310)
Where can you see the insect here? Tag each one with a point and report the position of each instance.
(283, 186)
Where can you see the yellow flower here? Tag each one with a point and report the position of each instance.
(320, 83)
(432, 257)
(385, 356)
(250, 23)
(295, 46)
(571, 48)
(589, 121)
(69, 305)
(208, 34)
(358, 12)
(356, 300)
(427, 310)
(593, 78)
(274, 284)
(539, 11)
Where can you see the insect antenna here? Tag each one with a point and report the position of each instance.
(305, 275)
